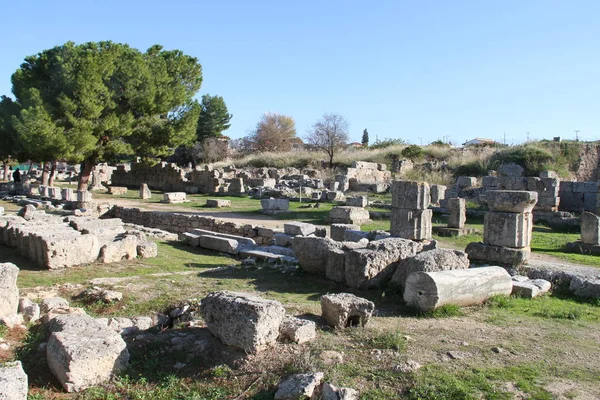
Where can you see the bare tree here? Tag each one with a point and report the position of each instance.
(329, 134)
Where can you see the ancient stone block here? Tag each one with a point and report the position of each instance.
(458, 212)
(337, 230)
(429, 261)
(82, 353)
(512, 201)
(174, 197)
(275, 204)
(334, 196)
(9, 293)
(218, 203)
(336, 265)
(147, 250)
(360, 201)
(299, 386)
(466, 182)
(506, 256)
(145, 192)
(507, 229)
(242, 320)
(490, 182)
(298, 228)
(332, 392)
(118, 190)
(411, 224)
(29, 309)
(525, 289)
(312, 253)
(83, 196)
(67, 251)
(121, 248)
(585, 288)
(281, 239)
(68, 194)
(349, 215)
(218, 243)
(437, 193)
(590, 228)
(410, 195)
(51, 303)
(297, 330)
(54, 193)
(344, 310)
(13, 381)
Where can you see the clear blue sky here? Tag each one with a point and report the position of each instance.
(416, 70)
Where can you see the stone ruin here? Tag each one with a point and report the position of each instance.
(55, 242)
(590, 236)
(411, 216)
(456, 220)
(507, 229)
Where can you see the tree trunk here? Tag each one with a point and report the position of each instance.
(427, 291)
(44, 173)
(331, 161)
(52, 171)
(84, 175)
(6, 171)
(30, 167)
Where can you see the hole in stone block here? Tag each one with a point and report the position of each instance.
(353, 321)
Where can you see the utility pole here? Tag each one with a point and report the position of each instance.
(505, 138)
(577, 134)
(528, 136)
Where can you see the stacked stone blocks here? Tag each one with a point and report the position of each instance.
(411, 218)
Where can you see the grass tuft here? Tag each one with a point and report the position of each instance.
(445, 311)
(388, 341)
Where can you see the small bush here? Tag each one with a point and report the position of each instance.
(532, 158)
(389, 340)
(413, 152)
(382, 144)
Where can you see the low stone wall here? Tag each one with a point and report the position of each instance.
(180, 223)
(579, 196)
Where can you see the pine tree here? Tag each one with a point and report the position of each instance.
(365, 138)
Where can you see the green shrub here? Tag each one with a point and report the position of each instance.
(389, 340)
(413, 152)
(382, 144)
(532, 158)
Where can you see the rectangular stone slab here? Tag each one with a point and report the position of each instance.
(507, 229)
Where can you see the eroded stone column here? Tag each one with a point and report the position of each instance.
(411, 218)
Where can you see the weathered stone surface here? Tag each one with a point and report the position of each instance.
(13, 381)
(300, 386)
(218, 203)
(542, 284)
(437, 193)
(29, 309)
(360, 201)
(430, 261)
(337, 231)
(313, 252)
(67, 251)
(458, 212)
(129, 326)
(585, 288)
(221, 244)
(145, 192)
(375, 265)
(242, 320)
(348, 215)
(511, 201)
(275, 204)
(84, 196)
(466, 182)
(480, 252)
(297, 330)
(525, 289)
(332, 392)
(342, 310)
(82, 353)
(336, 265)
(118, 190)
(1, 210)
(298, 228)
(9, 293)
(104, 295)
(13, 321)
(68, 194)
(122, 248)
(507, 229)
(427, 291)
(351, 235)
(411, 224)
(51, 303)
(281, 239)
(410, 195)
(174, 197)
(147, 249)
(510, 169)
(590, 228)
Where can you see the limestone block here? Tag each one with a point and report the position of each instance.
(512, 201)
(348, 215)
(174, 197)
(590, 228)
(360, 201)
(275, 204)
(297, 330)
(299, 386)
(410, 195)
(429, 261)
(585, 288)
(29, 309)
(281, 239)
(68, 194)
(510, 169)
(411, 224)
(145, 192)
(489, 182)
(507, 229)
(312, 253)
(525, 289)
(548, 174)
(437, 193)
(352, 235)
(221, 244)
(82, 353)
(334, 186)
(365, 165)
(218, 203)
(118, 190)
(84, 196)
(9, 293)
(67, 251)
(336, 265)
(122, 248)
(51, 303)
(332, 392)
(458, 212)
(13, 381)
(337, 230)
(54, 193)
(147, 250)
(242, 320)
(466, 182)
(298, 229)
(335, 196)
(506, 256)
(344, 310)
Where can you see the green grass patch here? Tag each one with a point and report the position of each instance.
(548, 306)
(445, 311)
(389, 340)
(3, 331)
